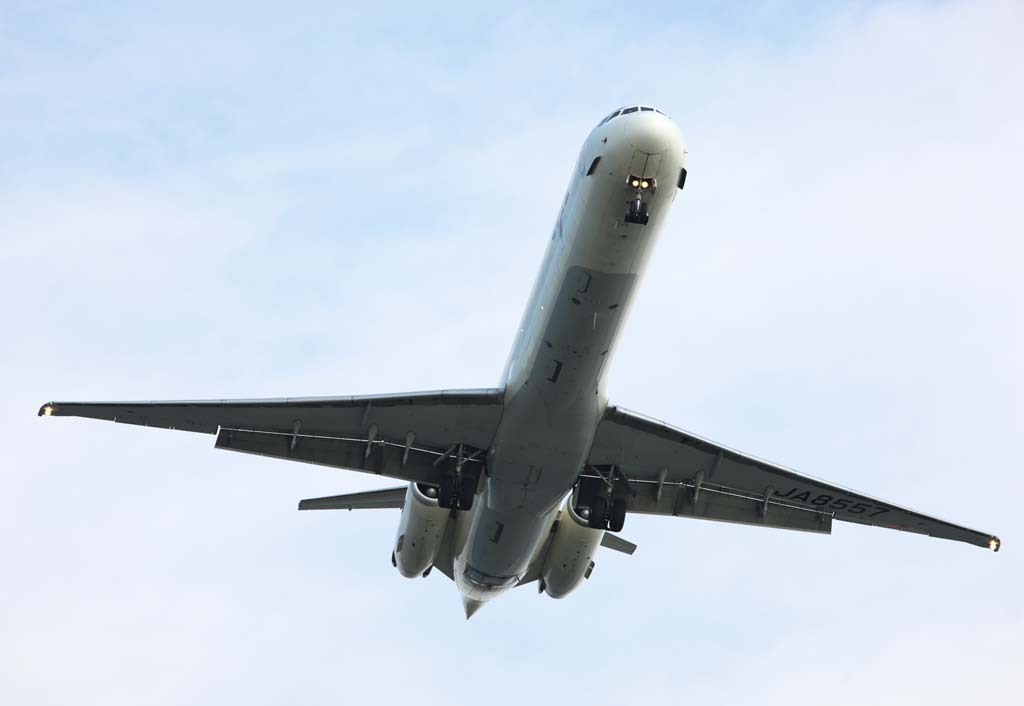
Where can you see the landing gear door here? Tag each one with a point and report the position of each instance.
(645, 165)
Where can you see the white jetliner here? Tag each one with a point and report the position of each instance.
(488, 470)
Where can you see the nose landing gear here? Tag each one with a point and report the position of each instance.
(639, 188)
(637, 212)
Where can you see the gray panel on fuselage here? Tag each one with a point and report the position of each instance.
(580, 333)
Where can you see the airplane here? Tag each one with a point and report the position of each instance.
(524, 482)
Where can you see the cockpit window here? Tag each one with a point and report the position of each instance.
(624, 111)
(612, 115)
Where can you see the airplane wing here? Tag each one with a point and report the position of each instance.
(407, 436)
(663, 470)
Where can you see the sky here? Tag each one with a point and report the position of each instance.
(254, 200)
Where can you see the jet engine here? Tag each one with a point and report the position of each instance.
(571, 556)
(420, 531)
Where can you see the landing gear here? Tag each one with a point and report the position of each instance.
(637, 212)
(598, 513)
(446, 492)
(456, 492)
(458, 488)
(639, 189)
(467, 491)
(603, 516)
(617, 517)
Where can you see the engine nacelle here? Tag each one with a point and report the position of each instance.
(571, 557)
(420, 531)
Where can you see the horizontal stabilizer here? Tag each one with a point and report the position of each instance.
(371, 500)
(614, 541)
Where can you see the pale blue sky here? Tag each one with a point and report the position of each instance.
(254, 200)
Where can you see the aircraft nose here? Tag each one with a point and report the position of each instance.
(651, 132)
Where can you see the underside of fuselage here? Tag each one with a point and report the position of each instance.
(619, 194)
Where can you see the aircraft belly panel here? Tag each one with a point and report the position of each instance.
(585, 317)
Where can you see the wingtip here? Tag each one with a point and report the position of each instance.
(994, 543)
(47, 409)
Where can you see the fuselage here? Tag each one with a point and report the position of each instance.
(619, 194)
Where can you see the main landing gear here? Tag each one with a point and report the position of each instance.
(458, 488)
(604, 516)
(457, 492)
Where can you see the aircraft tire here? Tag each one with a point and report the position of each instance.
(618, 515)
(446, 492)
(466, 493)
(598, 513)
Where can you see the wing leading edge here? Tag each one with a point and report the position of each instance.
(669, 471)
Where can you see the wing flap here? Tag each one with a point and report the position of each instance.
(381, 459)
(400, 436)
